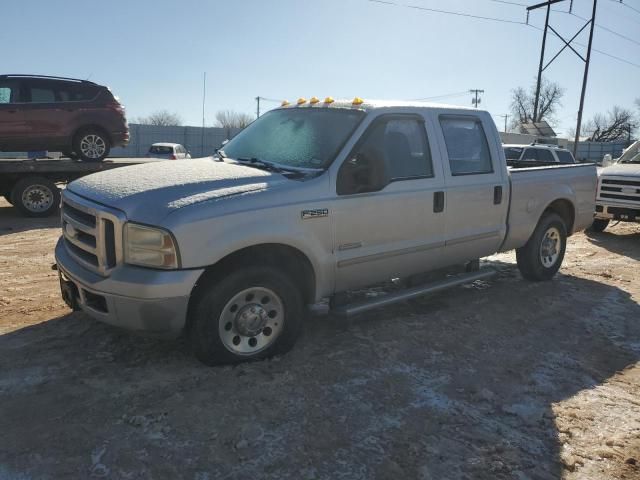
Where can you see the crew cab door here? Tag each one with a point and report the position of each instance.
(387, 218)
(477, 186)
(12, 126)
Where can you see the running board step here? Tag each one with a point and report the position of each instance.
(360, 307)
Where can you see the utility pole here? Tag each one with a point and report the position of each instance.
(584, 79)
(505, 116)
(258, 108)
(475, 101)
(544, 42)
(204, 96)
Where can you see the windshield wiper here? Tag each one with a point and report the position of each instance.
(262, 164)
(220, 154)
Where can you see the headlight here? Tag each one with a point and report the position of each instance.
(149, 247)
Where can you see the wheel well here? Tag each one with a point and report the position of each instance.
(283, 257)
(91, 127)
(565, 209)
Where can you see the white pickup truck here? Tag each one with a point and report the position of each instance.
(309, 201)
(619, 190)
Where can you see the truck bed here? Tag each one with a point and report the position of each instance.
(533, 189)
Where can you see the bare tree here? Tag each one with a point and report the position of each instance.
(230, 119)
(616, 124)
(523, 100)
(161, 118)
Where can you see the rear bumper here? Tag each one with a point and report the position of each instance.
(617, 211)
(134, 298)
(120, 139)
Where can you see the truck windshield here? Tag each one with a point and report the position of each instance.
(299, 138)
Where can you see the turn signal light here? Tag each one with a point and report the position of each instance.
(357, 101)
(284, 103)
(329, 100)
(314, 100)
(302, 101)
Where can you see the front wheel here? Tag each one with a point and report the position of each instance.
(91, 145)
(542, 255)
(599, 225)
(251, 314)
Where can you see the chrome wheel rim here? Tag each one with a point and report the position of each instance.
(251, 321)
(37, 198)
(93, 146)
(550, 247)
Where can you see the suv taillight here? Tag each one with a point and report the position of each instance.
(173, 156)
(116, 106)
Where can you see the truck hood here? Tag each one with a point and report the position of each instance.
(622, 170)
(150, 191)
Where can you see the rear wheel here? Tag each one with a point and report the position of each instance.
(36, 196)
(542, 255)
(92, 145)
(251, 314)
(599, 225)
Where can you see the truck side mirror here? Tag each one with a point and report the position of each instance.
(607, 160)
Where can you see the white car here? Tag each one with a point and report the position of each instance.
(168, 151)
(537, 154)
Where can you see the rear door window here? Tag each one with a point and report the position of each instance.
(467, 145)
(546, 156)
(41, 92)
(565, 156)
(530, 154)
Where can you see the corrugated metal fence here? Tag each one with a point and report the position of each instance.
(594, 151)
(199, 141)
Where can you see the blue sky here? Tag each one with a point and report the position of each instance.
(153, 53)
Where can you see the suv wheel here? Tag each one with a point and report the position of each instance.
(91, 145)
(542, 255)
(36, 196)
(251, 314)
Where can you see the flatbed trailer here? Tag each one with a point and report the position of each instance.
(31, 185)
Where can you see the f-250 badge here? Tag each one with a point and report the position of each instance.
(315, 213)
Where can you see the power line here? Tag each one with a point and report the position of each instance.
(596, 50)
(448, 12)
(438, 97)
(602, 27)
(478, 17)
(626, 5)
(510, 3)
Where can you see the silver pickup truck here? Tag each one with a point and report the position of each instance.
(309, 201)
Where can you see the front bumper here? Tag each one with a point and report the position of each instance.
(617, 211)
(141, 299)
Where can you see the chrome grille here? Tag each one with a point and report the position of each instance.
(622, 189)
(92, 233)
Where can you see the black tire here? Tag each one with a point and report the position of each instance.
(36, 196)
(599, 225)
(532, 262)
(91, 145)
(213, 311)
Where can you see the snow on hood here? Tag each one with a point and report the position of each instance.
(148, 192)
(622, 170)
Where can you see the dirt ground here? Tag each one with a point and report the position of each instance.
(503, 379)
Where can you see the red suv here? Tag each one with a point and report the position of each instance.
(79, 118)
